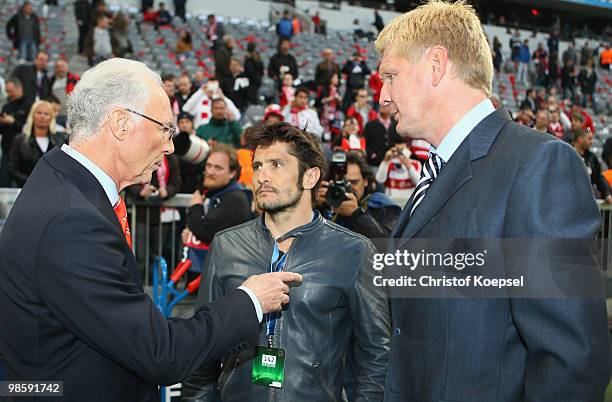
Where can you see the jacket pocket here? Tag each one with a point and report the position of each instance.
(316, 366)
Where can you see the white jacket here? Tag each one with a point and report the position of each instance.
(199, 107)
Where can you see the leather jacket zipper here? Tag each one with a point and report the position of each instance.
(232, 370)
(317, 368)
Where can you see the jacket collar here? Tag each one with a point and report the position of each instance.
(85, 181)
(301, 231)
(455, 174)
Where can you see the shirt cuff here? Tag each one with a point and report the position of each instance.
(255, 302)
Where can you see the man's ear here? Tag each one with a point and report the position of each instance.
(438, 57)
(311, 177)
(119, 124)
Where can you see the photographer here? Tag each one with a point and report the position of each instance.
(364, 210)
(399, 172)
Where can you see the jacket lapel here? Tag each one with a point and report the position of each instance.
(455, 174)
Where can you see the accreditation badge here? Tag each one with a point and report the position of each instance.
(268, 367)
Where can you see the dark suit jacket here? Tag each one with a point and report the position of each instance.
(504, 181)
(27, 74)
(73, 306)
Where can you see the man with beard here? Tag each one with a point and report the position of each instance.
(336, 313)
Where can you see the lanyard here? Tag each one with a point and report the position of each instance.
(276, 265)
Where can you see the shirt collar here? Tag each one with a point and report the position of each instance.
(105, 181)
(460, 131)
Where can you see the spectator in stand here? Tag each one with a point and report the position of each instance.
(214, 31)
(169, 84)
(356, 71)
(328, 104)
(254, 70)
(148, 16)
(570, 54)
(366, 211)
(524, 59)
(220, 128)
(199, 104)
(542, 119)
(376, 134)
(300, 115)
(100, 9)
(82, 12)
(273, 114)
(588, 120)
(295, 23)
(568, 80)
(236, 86)
(375, 84)
(587, 79)
(540, 59)
(284, 27)
(552, 103)
(351, 139)
(287, 91)
(326, 68)
(530, 100)
(606, 57)
(12, 118)
(24, 30)
(223, 55)
(184, 45)
(515, 46)
(199, 78)
(99, 44)
(184, 91)
(191, 173)
(583, 140)
(62, 83)
(498, 58)
(223, 203)
(553, 42)
(34, 78)
(554, 126)
(179, 9)
(316, 21)
(379, 24)
(525, 116)
(120, 35)
(586, 53)
(281, 63)
(554, 72)
(398, 172)
(362, 110)
(163, 18)
(38, 137)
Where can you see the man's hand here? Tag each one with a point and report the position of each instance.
(163, 193)
(147, 191)
(322, 192)
(609, 199)
(6, 119)
(389, 155)
(196, 199)
(271, 289)
(348, 207)
(185, 235)
(404, 157)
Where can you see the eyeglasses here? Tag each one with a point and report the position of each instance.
(169, 130)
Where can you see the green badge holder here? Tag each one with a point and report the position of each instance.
(268, 367)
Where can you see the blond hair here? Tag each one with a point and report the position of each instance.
(27, 127)
(455, 26)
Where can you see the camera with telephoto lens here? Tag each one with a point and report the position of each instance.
(338, 185)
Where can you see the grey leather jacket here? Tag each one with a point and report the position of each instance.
(336, 315)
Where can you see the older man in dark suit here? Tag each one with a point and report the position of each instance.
(34, 78)
(71, 298)
(487, 178)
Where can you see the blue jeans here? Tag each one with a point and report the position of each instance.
(28, 50)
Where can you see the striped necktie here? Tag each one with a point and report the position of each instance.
(430, 171)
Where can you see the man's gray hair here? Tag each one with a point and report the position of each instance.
(111, 84)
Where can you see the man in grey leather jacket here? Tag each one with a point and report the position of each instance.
(336, 311)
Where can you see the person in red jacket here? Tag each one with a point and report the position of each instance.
(362, 110)
(352, 140)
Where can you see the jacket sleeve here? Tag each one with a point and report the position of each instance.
(84, 280)
(191, 106)
(232, 210)
(371, 328)
(11, 28)
(567, 340)
(373, 225)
